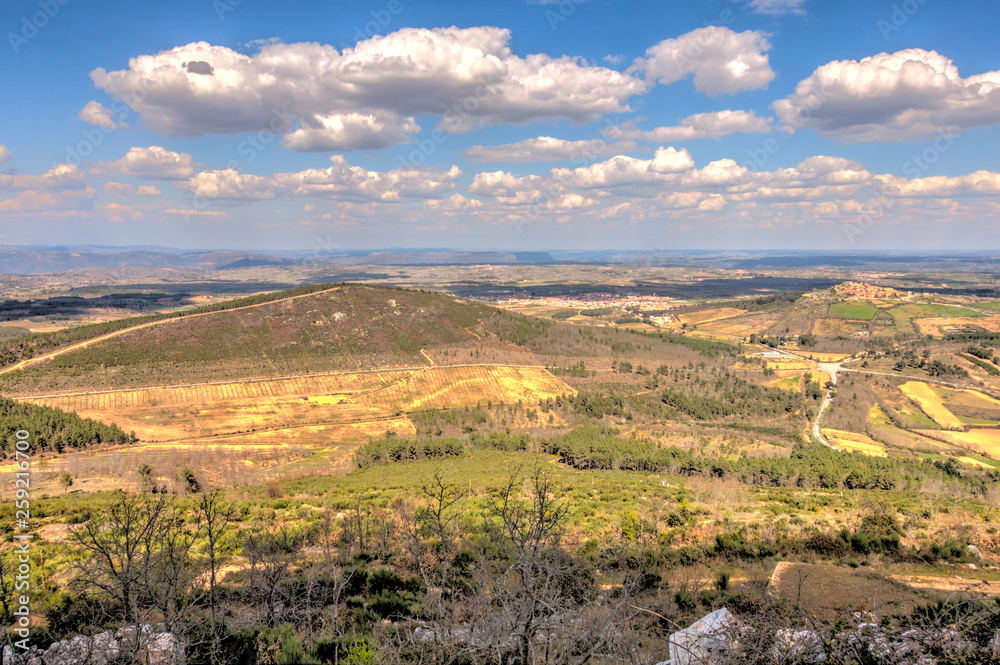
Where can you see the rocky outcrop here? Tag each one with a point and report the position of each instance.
(145, 646)
(707, 640)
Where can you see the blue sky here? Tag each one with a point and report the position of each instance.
(307, 126)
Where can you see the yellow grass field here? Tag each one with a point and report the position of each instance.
(905, 438)
(877, 416)
(854, 442)
(934, 326)
(792, 383)
(832, 327)
(365, 403)
(981, 440)
(823, 357)
(707, 315)
(966, 397)
(704, 334)
(467, 386)
(789, 364)
(975, 462)
(728, 328)
(931, 404)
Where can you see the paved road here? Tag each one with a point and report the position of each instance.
(833, 369)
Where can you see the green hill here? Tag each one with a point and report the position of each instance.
(348, 327)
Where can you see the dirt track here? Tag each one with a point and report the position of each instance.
(87, 342)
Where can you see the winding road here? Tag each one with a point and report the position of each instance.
(833, 369)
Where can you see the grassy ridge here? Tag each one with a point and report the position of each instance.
(353, 320)
(27, 347)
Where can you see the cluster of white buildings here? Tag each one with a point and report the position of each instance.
(595, 300)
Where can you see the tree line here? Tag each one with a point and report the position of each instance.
(53, 429)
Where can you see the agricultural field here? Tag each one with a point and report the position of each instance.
(679, 458)
(729, 327)
(854, 442)
(709, 315)
(833, 327)
(941, 326)
(862, 311)
(821, 357)
(931, 404)
(447, 387)
(792, 382)
(165, 414)
(986, 441)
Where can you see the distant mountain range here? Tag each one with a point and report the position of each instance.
(41, 260)
(36, 260)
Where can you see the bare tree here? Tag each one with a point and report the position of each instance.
(215, 517)
(119, 552)
(271, 553)
(317, 607)
(532, 577)
(432, 541)
(171, 578)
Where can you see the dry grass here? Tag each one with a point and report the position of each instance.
(833, 327)
(792, 382)
(366, 402)
(965, 397)
(854, 442)
(449, 387)
(789, 364)
(934, 326)
(729, 328)
(931, 404)
(827, 591)
(974, 462)
(983, 440)
(708, 315)
(823, 357)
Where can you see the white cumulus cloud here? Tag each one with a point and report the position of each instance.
(321, 98)
(152, 163)
(713, 125)
(722, 61)
(899, 96)
(546, 149)
(340, 181)
(97, 114)
(61, 177)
